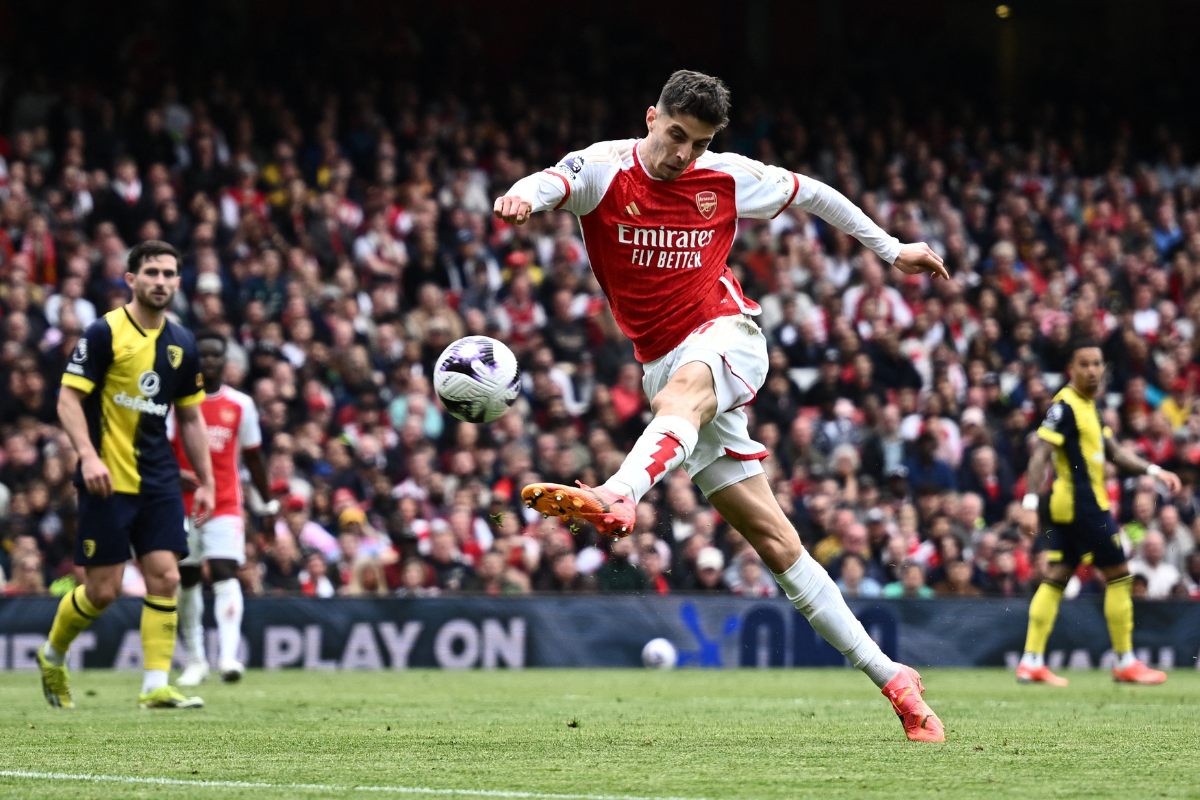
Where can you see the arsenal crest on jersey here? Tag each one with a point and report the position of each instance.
(706, 202)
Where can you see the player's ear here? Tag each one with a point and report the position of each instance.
(651, 115)
(130, 277)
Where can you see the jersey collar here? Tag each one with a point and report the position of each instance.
(140, 329)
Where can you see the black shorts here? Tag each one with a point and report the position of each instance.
(109, 526)
(1092, 534)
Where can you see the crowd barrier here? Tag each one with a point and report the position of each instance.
(598, 631)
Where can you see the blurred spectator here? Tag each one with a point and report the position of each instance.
(854, 581)
(26, 577)
(957, 582)
(707, 576)
(618, 574)
(1161, 575)
(911, 584)
(314, 579)
(283, 564)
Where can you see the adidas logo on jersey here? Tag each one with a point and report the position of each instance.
(140, 404)
(631, 208)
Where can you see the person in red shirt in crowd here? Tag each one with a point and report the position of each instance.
(628, 398)
(519, 316)
(1157, 445)
(652, 567)
(242, 196)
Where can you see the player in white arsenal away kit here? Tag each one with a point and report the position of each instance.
(659, 216)
(233, 430)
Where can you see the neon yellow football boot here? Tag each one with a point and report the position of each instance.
(56, 683)
(168, 697)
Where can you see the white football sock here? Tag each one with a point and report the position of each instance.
(664, 445)
(52, 656)
(191, 621)
(816, 596)
(1032, 660)
(153, 679)
(1125, 660)
(227, 607)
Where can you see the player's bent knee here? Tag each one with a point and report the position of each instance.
(102, 595)
(189, 576)
(222, 569)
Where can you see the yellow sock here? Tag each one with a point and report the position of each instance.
(159, 621)
(1118, 610)
(1042, 611)
(75, 613)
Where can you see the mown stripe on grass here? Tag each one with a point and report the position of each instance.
(66, 776)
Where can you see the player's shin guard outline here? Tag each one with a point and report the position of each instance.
(191, 621)
(1118, 612)
(227, 607)
(160, 620)
(1043, 610)
(666, 443)
(74, 615)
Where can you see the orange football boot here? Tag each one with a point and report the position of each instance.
(611, 513)
(1040, 674)
(920, 723)
(1137, 672)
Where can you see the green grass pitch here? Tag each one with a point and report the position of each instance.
(721, 735)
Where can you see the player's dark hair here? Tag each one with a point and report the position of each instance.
(143, 252)
(214, 335)
(1083, 343)
(704, 97)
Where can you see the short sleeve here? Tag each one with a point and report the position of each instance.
(249, 432)
(90, 359)
(190, 388)
(1058, 424)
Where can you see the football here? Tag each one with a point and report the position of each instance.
(477, 378)
(659, 654)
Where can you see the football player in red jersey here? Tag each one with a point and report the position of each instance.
(659, 216)
(233, 435)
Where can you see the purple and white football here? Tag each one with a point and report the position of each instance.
(477, 378)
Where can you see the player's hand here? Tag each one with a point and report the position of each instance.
(513, 209)
(188, 480)
(96, 476)
(1030, 521)
(917, 258)
(203, 502)
(1171, 481)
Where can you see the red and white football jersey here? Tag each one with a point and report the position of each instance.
(232, 423)
(658, 248)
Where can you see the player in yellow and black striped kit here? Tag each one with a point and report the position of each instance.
(129, 368)
(1081, 528)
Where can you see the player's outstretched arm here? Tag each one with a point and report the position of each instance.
(1132, 462)
(835, 208)
(1035, 479)
(193, 433)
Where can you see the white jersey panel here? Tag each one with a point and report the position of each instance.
(578, 182)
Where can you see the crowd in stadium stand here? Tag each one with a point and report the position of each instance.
(340, 243)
